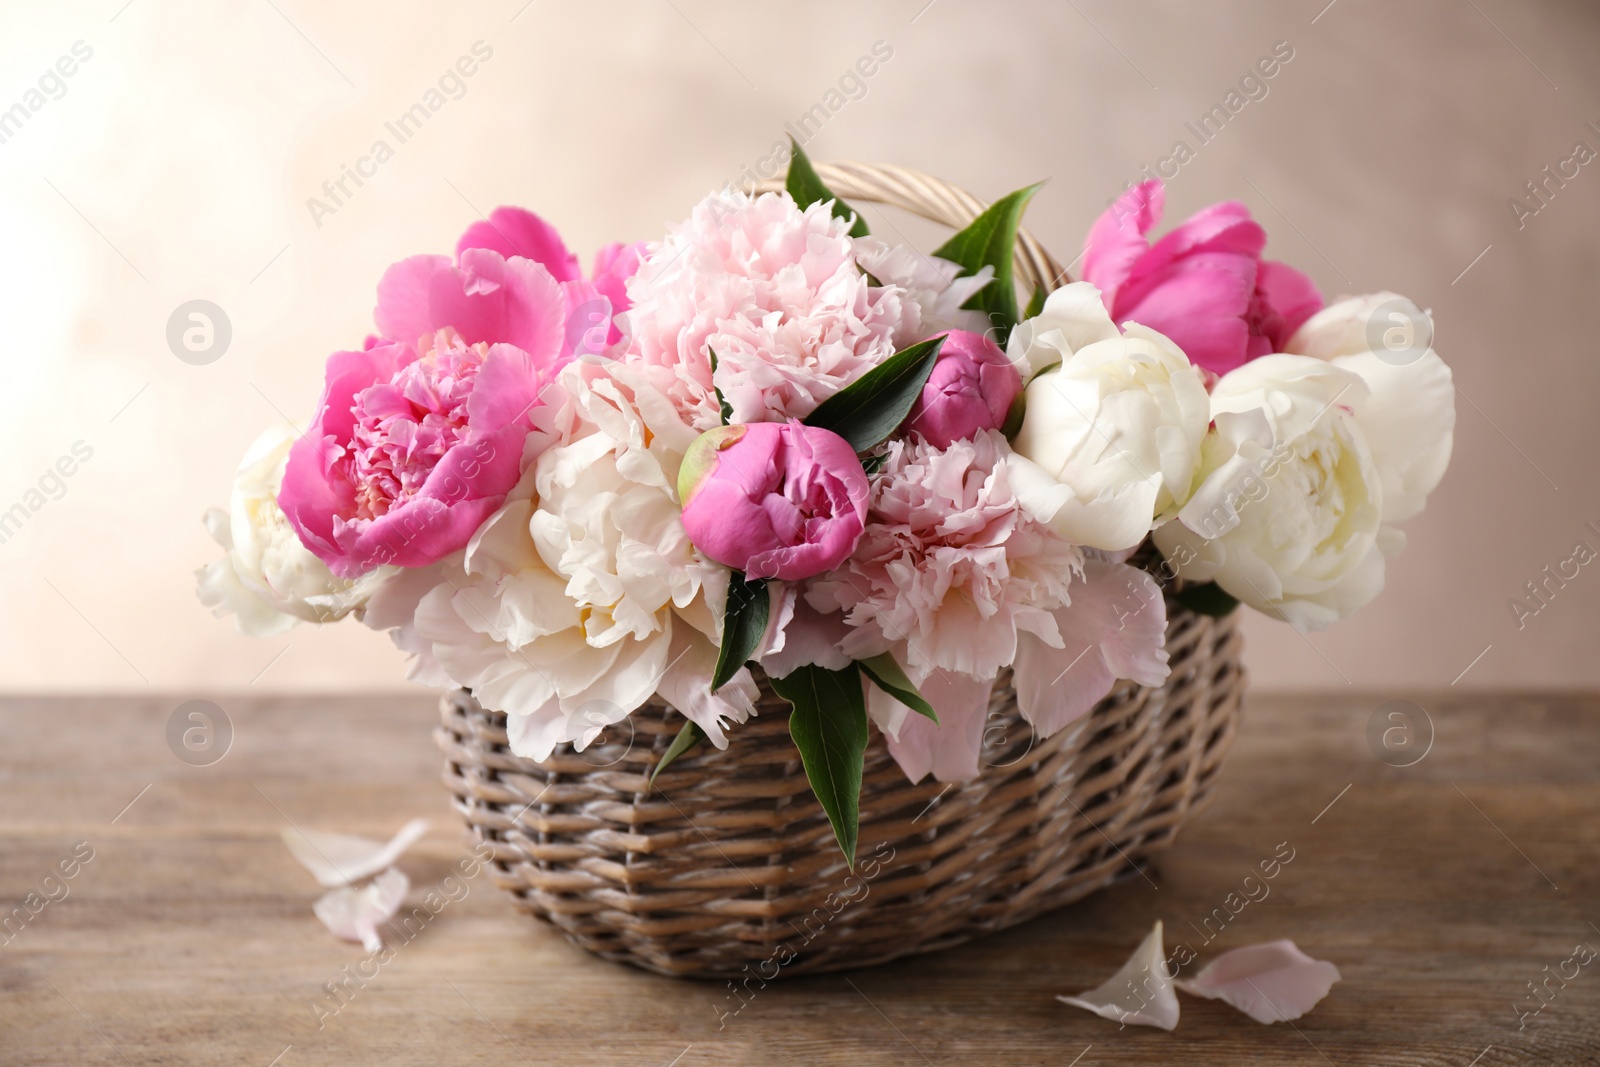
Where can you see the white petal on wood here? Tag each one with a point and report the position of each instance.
(355, 914)
(1141, 993)
(1269, 982)
(343, 859)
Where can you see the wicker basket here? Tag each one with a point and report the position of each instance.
(728, 867)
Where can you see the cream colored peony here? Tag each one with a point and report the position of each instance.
(1314, 458)
(268, 580)
(1110, 441)
(582, 596)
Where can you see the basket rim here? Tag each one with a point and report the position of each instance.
(932, 198)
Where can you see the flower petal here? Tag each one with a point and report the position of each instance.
(355, 914)
(1269, 982)
(515, 231)
(1117, 238)
(342, 859)
(686, 685)
(1140, 993)
(950, 749)
(1115, 627)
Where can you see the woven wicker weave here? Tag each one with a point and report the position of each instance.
(728, 867)
(729, 862)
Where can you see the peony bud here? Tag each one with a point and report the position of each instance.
(774, 500)
(971, 389)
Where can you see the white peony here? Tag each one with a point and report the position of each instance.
(582, 597)
(1110, 439)
(1314, 458)
(268, 580)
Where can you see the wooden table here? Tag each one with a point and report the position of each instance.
(1441, 890)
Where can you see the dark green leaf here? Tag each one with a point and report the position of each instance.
(1035, 303)
(873, 406)
(806, 187)
(743, 623)
(688, 737)
(990, 240)
(727, 411)
(886, 674)
(829, 727)
(1014, 415)
(874, 463)
(1208, 599)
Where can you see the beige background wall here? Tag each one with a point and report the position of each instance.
(178, 164)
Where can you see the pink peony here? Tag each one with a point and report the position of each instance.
(593, 305)
(774, 500)
(971, 388)
(410, 452)
(418, 439)
(1204, 284)
(613, 266)
(792, 307)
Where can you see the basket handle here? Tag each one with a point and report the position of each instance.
(932, 198)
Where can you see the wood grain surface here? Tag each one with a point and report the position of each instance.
(1441, 890)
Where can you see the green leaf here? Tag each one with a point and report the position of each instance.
(1035, 303)
(873, 406)
(990, 240)
(874, 463)
(688, 737)
(727, 410)
(1208, 599)
(806, 187)
(886, 674)
(829, 727)
(743, 622)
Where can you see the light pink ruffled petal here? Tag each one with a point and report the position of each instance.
(1270, 982)
(808, 636)
(355, 914)
(1115, 627)
(515, 231)
(950, 749)
(1140, 993)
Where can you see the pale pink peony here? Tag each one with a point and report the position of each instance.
(774, 500)
(782, 298)
(1204, 284)
(956, 582)
(971, 388)
(950, 567)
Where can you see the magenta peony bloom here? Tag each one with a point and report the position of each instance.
(1204, 284)
(613, 266)
(592, 306)
(417, 440)
(773, 499)
(971, 389)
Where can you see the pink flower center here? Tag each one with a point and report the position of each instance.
(406, 425)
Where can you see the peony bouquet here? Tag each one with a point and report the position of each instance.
(772, 448)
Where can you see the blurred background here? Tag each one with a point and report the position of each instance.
(155, 152)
